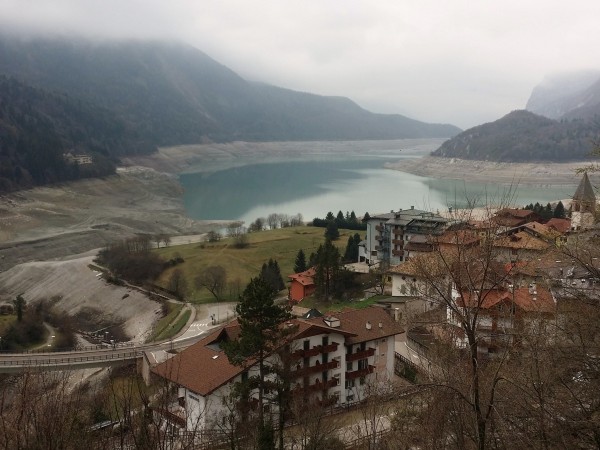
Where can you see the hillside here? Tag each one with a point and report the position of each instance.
(37, 128)
(174, 94)
(522, 136)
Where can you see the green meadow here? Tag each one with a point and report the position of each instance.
(242, 264)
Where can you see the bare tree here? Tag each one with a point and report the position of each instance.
(214, 279)
(178, 283)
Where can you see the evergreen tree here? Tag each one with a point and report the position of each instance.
(559, 211)
(331, 232)
(340, 221)
(327, 268)
(260, 335)
(351, 253)
(300, 264)
(271, 273)
(366, 217)
(329, 217)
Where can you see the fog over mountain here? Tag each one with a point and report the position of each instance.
(560, 95)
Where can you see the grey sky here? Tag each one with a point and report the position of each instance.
(462, 61)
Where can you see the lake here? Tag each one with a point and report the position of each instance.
(356, 182)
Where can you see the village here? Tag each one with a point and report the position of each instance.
(481, 289)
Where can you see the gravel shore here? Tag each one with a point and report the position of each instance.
(492, 172)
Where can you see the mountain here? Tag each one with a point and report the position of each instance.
(558, 95)
(37, 130)
(523, 136)
(170, 94)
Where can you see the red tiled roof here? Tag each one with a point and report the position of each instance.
(305, 278)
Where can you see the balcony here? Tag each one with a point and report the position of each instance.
(398, 232)
(378, 237)
(318, 386)
(304, 371)
(379, 228)
(316, 350)
(360, 355)
(398, 242)
(398, 252)
(360, 373)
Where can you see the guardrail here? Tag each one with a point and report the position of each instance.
(88, 356)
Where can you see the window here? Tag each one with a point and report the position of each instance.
(374, 253)
(325, 341)
(349, 367)
(306, 345)
(349, 384)
(363, 364)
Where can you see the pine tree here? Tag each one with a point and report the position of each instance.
(300, 264)
(331, 232)
(260, 335)
(327, 268)
(271, 273)
(559, 211)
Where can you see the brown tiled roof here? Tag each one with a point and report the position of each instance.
(431, 263)
(541, 301)
(521, 241)
(200, 368)
(542, 230)
(459, 237)
(516, 212)
(204, 367)
(354, 321)
(560, 225)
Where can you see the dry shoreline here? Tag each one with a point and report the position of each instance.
(539, 174)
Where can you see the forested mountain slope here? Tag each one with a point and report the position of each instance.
(522, 136)
(38, 128)
(174, 94)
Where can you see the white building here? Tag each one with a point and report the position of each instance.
(332, 360)
(388, 234)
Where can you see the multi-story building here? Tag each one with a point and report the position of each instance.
(331, 360)
(502, 314)
(389, 233)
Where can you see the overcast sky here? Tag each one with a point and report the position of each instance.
(464, 62)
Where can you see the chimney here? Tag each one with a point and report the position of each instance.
(412, 207)
(380, 325)
(532, 289)
(397, 314)
(368, 325)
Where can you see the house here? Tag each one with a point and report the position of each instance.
(302, 284)
(563, 226)
(332, 360)
(503, 313)
(388, 233)
(513, 217)
(78, 159)
(583, 206)
(518, 246)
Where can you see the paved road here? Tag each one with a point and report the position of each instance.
(98, 356)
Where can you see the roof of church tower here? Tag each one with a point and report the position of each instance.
(585, 191)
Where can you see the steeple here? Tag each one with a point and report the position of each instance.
(584, 199)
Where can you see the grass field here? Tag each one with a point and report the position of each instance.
(242, 264)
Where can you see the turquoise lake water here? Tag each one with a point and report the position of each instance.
(355, 183)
